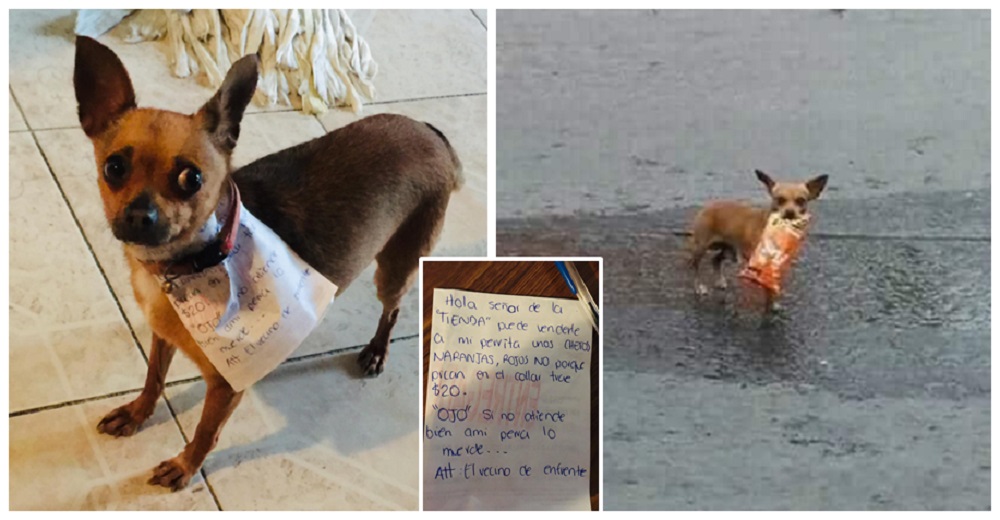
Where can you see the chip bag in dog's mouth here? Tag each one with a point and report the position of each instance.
(778, 247)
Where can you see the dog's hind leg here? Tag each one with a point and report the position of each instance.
(720, 277)
(697, 249)
(397, 267)
(723, 252)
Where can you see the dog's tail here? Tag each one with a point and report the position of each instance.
(459, 175)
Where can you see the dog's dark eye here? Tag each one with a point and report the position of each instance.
(115, 170)
(189, 181)
(781, 201)
(800, 202)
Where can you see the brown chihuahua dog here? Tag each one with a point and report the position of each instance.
(375, 189)
(732, 229)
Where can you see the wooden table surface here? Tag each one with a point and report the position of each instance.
(523, 278)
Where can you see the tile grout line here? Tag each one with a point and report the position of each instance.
(74, 402)
(444, 96)
(321, 125)
(90, 247)
(171, 384)
(204, 477)
(481, 21)
(17, 103)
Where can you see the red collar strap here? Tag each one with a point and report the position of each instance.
(213, 253)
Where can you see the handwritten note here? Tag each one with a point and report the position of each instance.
(507, 421)
(250, 312)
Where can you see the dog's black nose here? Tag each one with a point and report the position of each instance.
(789, 214)
(141, 214)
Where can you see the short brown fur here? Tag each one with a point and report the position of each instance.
(733, 228)
(376, 189)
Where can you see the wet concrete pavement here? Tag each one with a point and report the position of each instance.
(871, 388)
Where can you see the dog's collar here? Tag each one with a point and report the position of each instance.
(212, 254)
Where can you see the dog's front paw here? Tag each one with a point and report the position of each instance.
(122, 421)
(173, 474)
(701, 289)
(721, 283)
(372, 360)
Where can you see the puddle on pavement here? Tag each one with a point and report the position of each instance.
(861, 317)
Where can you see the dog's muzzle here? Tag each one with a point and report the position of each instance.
(140, 223)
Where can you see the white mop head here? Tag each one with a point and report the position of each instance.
(311, 59)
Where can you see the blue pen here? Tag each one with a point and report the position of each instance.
(573, 280)
(561, 266)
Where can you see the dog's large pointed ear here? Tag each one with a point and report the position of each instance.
(224, 112)
(103, 89)
(815, 186)
(766, 179)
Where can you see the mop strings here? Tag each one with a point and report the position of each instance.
(311, 59)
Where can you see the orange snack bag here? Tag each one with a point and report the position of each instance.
(779, 245)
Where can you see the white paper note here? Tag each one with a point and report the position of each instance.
(250, 312)
(507, 420)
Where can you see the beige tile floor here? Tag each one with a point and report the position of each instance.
(310, 436)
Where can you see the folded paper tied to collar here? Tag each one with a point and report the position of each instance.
(247, 299)
(778, 247)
